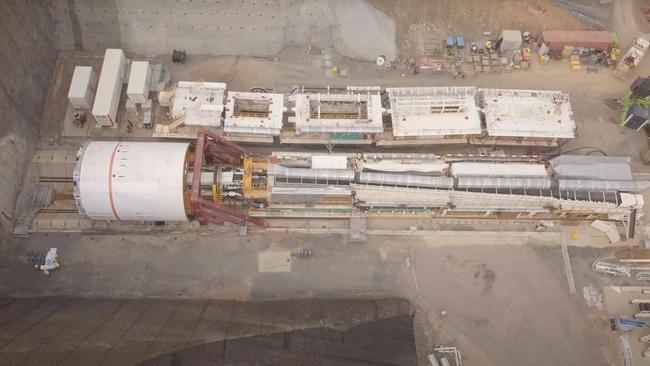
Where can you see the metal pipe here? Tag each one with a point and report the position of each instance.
(604, 185)
(504, 182)
(305, 173)
(406, 180)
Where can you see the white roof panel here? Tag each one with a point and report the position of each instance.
(528, 113)
(200, 102)
(434, 111)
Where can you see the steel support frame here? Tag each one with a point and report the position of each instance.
(212, 148)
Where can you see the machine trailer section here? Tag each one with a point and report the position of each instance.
(215, 181)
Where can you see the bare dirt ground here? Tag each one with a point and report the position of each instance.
(627, 21)
(417, 20)
(641, 20)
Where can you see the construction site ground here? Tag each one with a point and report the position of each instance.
(497, 290)
(503, 292)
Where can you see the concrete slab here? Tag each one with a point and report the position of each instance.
(13, 308)
(310, 310)
(127, 353)
(51, 357)
(134, 344)
(345, 313)
(246, 320)
(13, 329)
(358, 229)
(278, 316)
(274, 262)
(216, 263)
(58, 347)
(83, 356)
(392, 307)
(178, 330)
(214, 323)
(42, 333)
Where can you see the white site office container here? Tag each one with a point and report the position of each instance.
(139, 79)
(109, 88)
(82, 87)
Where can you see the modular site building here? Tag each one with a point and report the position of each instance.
(109, 88)
(82, 87)
(139, 79)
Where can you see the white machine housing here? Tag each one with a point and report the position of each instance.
(317, 113)
(264, 121)
(139, 80)
(434, 111)
(199, 103)
(82, 87)
(142, 181)
(522, 113)
(109, 89)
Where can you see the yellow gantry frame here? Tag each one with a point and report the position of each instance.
(250, 166)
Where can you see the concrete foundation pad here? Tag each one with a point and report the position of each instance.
(274, 262)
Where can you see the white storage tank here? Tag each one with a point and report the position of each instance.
(109, 88)
(141, 181)
(82, 87)
(139, 79)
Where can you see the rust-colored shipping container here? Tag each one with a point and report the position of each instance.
(557, 40)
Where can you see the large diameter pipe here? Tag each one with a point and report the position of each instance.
(140, 181)
(406, 180)
(317, 174)
(504, 182)
(604, 185)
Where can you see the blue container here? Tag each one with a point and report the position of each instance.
(460, 41)
(450, 41)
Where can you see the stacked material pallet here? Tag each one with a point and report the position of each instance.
(575, 62)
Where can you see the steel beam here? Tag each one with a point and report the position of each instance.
(212, 147)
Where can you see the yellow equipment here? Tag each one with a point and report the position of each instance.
(253, 191)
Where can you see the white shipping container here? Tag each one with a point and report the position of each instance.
(109, 88)
(82, 87)
(139, 79)
(329, 162)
